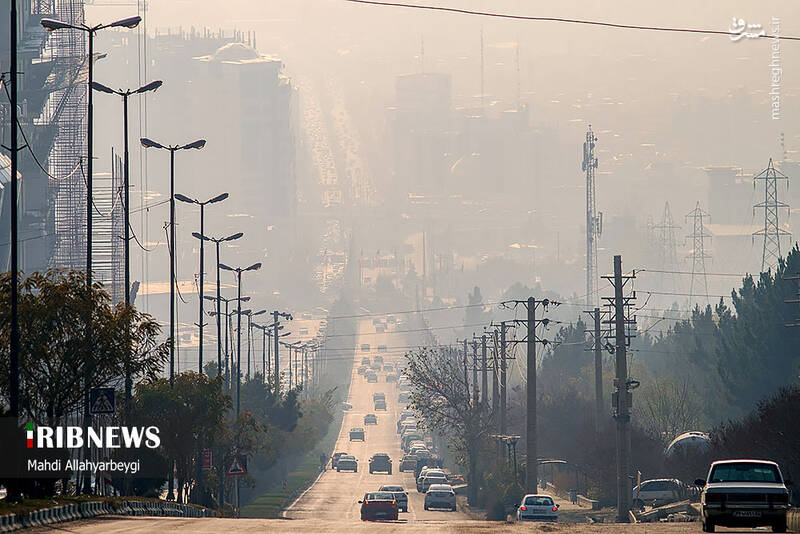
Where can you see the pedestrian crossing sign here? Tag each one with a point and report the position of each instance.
(101, 401)
(238, 466)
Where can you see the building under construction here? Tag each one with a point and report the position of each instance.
(52, 119)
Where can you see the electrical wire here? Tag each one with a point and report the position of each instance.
(557, 19)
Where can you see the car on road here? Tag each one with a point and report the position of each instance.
(370, 419)
(430, 479)
(357, 433)
(403, 397)
(408, 463)
(537, 507)
(376, 367)
(406, 440)
(362, 369)
(371, 376)
(347, 462)
(365, 361)
(400, 495)
(335, 458)
(440, 496)
(391, 377)
(347, 406)
(388, 367)
(378, 359)
(378, 505)
(380, 404)
(744, 493)
(658, 491)
(380, 461)
(378, 395)
(365, 347)
(381, 348)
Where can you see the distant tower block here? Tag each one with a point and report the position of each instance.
(594, 221)
(698, 254)
(772, 232)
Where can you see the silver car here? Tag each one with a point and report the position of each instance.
(537, 507)
(440, 496)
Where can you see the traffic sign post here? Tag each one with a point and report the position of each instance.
(238, 466)
(102, 401)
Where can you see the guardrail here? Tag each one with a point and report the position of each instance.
(90, 509)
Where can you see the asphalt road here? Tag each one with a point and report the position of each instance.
(335, 495)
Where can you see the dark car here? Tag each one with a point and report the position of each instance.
(335, 458)
(380, 462)
(379, 505)
(378, 358)
(380, 404)
(357, 433)
(744, 493)
(370, 419)
(400, 495)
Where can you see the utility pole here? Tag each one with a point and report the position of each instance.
(594, 221)
(276, 315)
(502, 377)
(14, 149)
(484, 376)
(474, 372)
(532, 463)
(495, 378)
(772, 232)
(466, 377)
(597, 348)
(622, 397)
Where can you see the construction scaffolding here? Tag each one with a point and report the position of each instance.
(108, 230)
(65, 111)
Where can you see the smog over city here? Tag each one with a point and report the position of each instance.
(446, 265)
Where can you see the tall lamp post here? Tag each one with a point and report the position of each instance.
(218, 198)
(227, 314)
(250, 335)
(152, 86)
(148, 143)
(239, 271)
(217, 241)
(52, 25)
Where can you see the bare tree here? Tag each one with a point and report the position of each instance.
(667, 408)
(440, 393)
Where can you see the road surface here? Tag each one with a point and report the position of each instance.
(335, 495)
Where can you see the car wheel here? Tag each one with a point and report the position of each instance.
(355, 470)
(453, 508)
(390, 470)
(708, 526)
(426, 506)
(780, 526)
(338, 470)
(370, 471)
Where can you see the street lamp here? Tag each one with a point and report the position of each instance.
(249, 335)
(217, 241)
(148, 143)
(52, 25)
(239, 271)
(275, 317)
(152, 86)
(218, 198)
(227, 314)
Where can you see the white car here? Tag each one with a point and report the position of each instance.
(658, 491)
(440, 496)
(537, 507)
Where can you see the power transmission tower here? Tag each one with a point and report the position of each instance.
(698, 253)
(772, 231)
(667, 250)
(594, 222)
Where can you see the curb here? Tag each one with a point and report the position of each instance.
(90, 509)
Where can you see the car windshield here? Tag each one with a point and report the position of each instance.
(536, 500)
(392, 488)
(379, 496)
(440, 493)
(745, 472)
